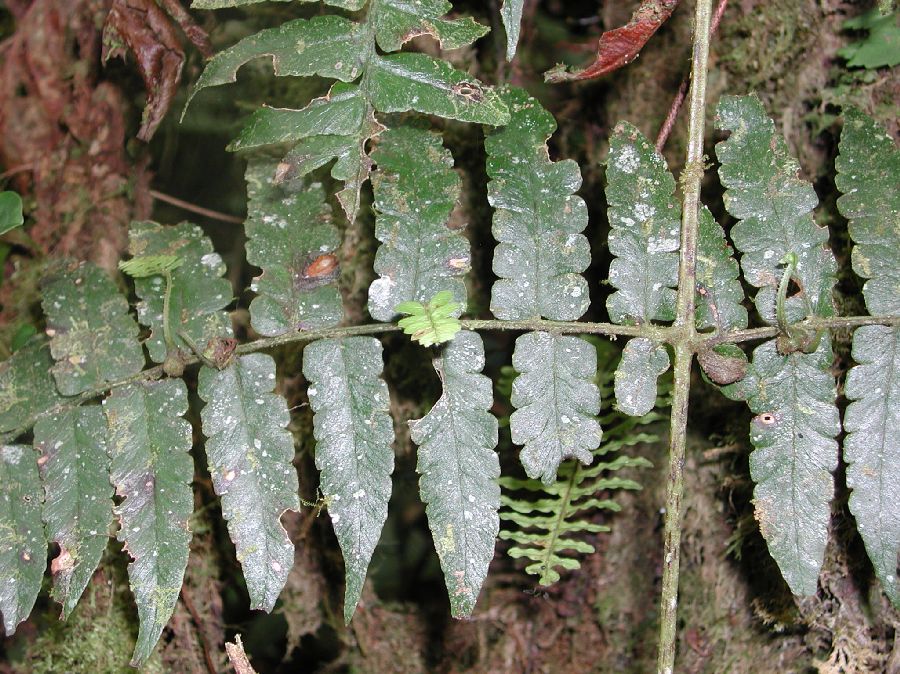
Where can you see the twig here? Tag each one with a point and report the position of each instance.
(238, 657)
(21, 168)
(669, 124)
(684, 344)
(193, 208)
(195, 616)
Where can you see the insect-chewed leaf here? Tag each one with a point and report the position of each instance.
(353, 433)
(793, 434)
(340, 113)
(250, 453)
(511, 14)
(198, 292)
(872, 448)
(92, 336)
(151, 468)
(868, 172)
(408, 81)
(328, 46)
(556, 402)
(538, 219)
(774, 207)
(78, 506)
(399, 21)
(416, 189)
(352, 5)
(719, 292)
(291, 237)
(643, 362)
(645, 235)
(459, 470)
(26, 386)
(23, 545)
(433, 323)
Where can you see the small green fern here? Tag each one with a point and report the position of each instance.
(543, 522)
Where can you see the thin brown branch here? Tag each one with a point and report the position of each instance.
(194, 208)
(238, 657)
(669, 123)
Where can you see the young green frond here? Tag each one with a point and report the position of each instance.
(143, 266)
(433, 323)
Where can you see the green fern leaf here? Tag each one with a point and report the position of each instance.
(645, 236)
(92, 336)
(340, 113)
(433, 323)
(10, 211)
(645, 219)
(339, 126)
(868, 172)
(197, 293)
(250, 455)
(795, 452)
(538, 220)
(399, 21)
(291, 237)
(352, 5)
(415, 189)
(23, 545)
(78, 507)
(872, 448)
(459, 470)
(556, 402)
(719, 292)
(150, 265)
(354, 432)
(151, 468)
(511, 14)
(643, 362)
(774, 207)
(545, 529)
(26, 386)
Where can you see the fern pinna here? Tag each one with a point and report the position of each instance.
(73, 470)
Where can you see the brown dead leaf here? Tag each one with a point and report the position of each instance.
(620, 46)
(144, 29)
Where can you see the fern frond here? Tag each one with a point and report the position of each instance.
(791, 392)
(415, 190)
(93, 338)
(868, 174)
(338, 126)
(353, 432)
(432, 323)
(151, 468)
(459, 470)
(196, 290)
(775, 211)
(23, 544)
(292, 239)
(78, 506)
(250, 453)
(545, 530)
(645, 236)
(511, 14)
(26, 385)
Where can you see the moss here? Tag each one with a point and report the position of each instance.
(98, 637)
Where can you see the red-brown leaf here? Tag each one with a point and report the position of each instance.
(620, 46)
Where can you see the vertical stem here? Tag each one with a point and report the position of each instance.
(684, 343)
(167, 330)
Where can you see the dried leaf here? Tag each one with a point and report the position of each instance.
(620, 46)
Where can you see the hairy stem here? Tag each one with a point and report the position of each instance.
(685, 341)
